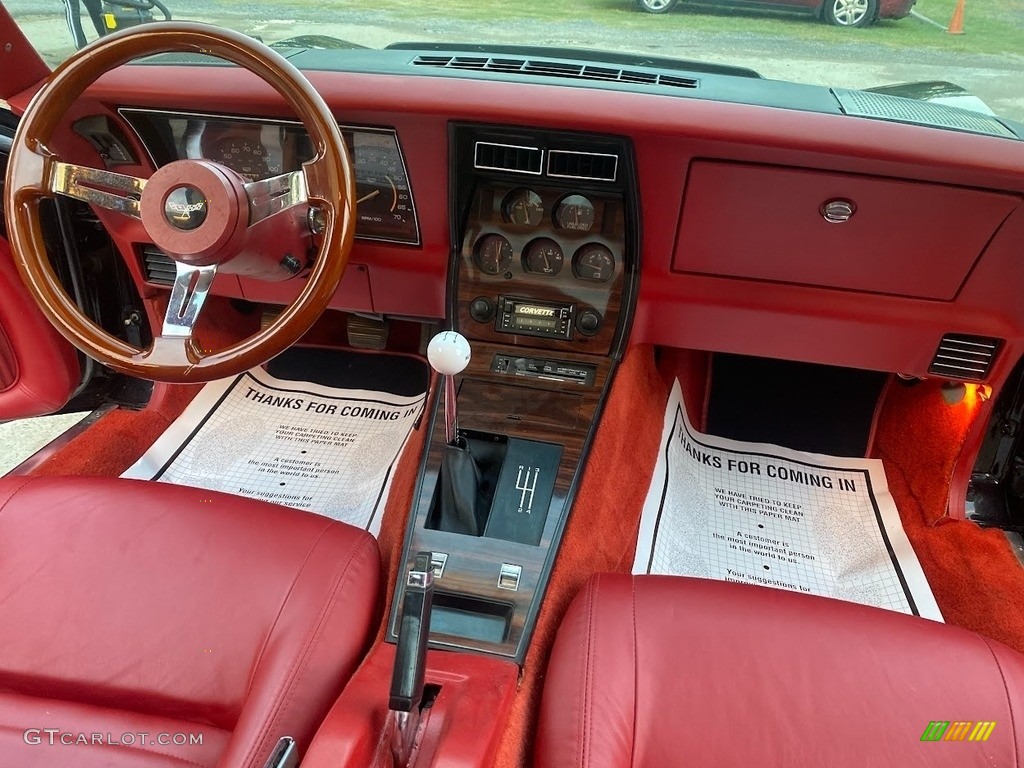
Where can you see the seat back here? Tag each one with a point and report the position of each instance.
(174, 602)
(663, 671)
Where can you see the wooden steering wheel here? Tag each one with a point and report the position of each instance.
(203, 215)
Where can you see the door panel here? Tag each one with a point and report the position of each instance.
(38, 369)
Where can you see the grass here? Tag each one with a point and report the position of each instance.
(992, 26)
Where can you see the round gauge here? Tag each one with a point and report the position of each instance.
(575, 213)
(543, 256)
(523, 206)
(593, 261)
(245, 156)
(493, 254)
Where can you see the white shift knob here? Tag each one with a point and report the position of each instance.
(448, 353)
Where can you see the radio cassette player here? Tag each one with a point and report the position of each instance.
(534, 318)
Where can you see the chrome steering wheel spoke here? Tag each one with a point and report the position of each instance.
(113, 191)
(276, 194)
(188, 294)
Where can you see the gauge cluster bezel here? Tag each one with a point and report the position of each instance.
(574, 271)
(161, 151)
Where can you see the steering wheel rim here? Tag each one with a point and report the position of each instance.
(328, 180)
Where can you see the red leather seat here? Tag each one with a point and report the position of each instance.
(665, 671)
(130, 608)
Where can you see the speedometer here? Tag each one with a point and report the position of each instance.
(246, 156)
(384, 205)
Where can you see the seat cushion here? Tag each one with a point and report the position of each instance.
(668, 671)
(148, 600)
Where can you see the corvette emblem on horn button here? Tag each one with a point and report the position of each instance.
(185, 208)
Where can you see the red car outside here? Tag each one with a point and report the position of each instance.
(842, 13)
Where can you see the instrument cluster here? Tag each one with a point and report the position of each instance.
(547, 232)
(262, 148)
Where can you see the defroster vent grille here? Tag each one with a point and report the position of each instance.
(569, 70)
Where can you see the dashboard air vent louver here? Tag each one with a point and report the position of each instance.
(964, 357)
(551, 68)
(596, 166)
(491, 156)
(157, 266)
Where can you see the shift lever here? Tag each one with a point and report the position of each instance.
(449, 353)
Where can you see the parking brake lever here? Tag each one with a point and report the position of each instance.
(411, 656)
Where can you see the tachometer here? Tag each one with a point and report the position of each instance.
(384, 206)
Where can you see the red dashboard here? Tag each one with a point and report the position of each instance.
(735, 253)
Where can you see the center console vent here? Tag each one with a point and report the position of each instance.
(595, 166)
(490, 156)
(157, 266)
(964, 357)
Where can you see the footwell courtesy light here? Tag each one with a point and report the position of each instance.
(954, 392)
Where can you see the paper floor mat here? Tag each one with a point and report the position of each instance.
(327, 450)
(761, 514)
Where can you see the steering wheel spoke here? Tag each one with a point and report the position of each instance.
(188, 294)
(114, 191)
(276, 194)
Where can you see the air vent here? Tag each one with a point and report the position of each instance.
(514, 158)
(553, 68)
(964, 357)
(157, 266)
(901, 110)
(595, 166)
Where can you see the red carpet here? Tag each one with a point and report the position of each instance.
(976, 579)
(602, 529)
(974, 575)
(119, 438)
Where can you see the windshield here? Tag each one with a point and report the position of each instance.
(859, 44)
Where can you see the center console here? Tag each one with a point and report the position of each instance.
(542, 284)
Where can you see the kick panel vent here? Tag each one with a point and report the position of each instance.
(157, 266)
(552, 68)
(595, 166)
(514, 158)
(964, 357)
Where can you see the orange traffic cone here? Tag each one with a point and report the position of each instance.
(956, 24)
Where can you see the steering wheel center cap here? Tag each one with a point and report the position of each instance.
(196, 211)
(185, 208)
